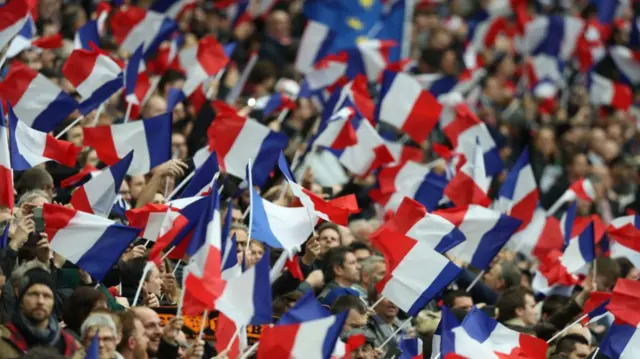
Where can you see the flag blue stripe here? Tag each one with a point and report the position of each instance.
(99, 259)
(55, 112)
(202, 177)
(450, 240)
(493, 241)
(158, 132)
(331, 337)
(509, 186)
(262, 306)
(101, 95)
(270, 149)
(260, 229)
(478, 325)
(616, 340)
(552, 42)
(447, 275)
(431, 190)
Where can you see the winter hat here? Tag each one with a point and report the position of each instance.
(35, 276)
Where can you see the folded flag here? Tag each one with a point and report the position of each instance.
(6, 173)
(89, 33)
(518, 195)
(13, 16)
(595, 307)
(201, 62)
(471, 184)
(94, 75)
(30, 147)
(149, 139)
(312, 338)
(625, 235)
(407, 283)
(37, 101)
(133, 27)
(99, 194)
(622, 341)
(134, 66)
(503, 340)
(202, 181)
(91, 242)
(237, 140)
(242, 299)
(424, 183)
(412, 220)
(337, 132)
(148, 219)
(406, 106)
(624, 301)
(486, 232)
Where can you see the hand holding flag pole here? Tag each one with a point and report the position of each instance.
(70, 126)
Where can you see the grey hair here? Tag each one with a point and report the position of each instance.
(31, 195)
(239, 227)
(100, 320)
(369, 263)
(18, 273)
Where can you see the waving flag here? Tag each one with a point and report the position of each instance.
(274, 103)
(237, 140)
(6, 173)
(37, 101)
(501, 339)
(457, 343)
(172, 8)
(625, 235)
(312, 338)
(628, 62)
(582, 188)
(595, 307)
(315, 44)
(91, 242)
(95, 76)
(624, 301)
(406, 106)
(395, 25)
(338, 132)
(87, 34)
(555, 36)
(413, 221)
(355, 94)
(30, 148)
(230, 266)
(99, 194)
(149, 219)
(13, 17)
(243, 297)
(622, 341)
(203, 179)
(518, 195)
(580, 251)
(133, 27)
(134, 66)
(24, 40)
(368, 58)
(606, 92)
(486, 232)
(414, 180)
(201, 62)
(150, 139)
(471, 184)
(406, 284)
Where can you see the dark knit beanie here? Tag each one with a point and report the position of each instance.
(35, 276)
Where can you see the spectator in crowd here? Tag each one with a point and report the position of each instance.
(80, 304)
(517, 308)
(357, 313)
(573, 346)
(458, 299)
(372, 270)
(341, 270)
(133, 342)
(101, 326)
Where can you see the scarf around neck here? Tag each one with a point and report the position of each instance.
(36, 336)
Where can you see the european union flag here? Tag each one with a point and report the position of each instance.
(351, 20)
(396, 25)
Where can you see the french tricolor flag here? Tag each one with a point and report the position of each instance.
(315, 338)
(625, 233)
(6, 173)
(237, 140)
(369, 58)
(628, 62)
(624, 301)
(518, 195)
(315, 44)
(555, 36)
(30, 147)
(606, 92)
(24, 40)
(148, 219)
(338, 132)
(595, 307)
(37, 101)
(501, 339)
(201, 62)
(582, 188)
(580, 251)
(150, 139)
(486, 232)
(203, 179)
(172, 8)
(354, 93)
(99, 194)
(471, 184)
(230, 266)
(91, 242)
(133, 26)
(544, 75)
(413, 221)
(622, 341)
(463, 128)
(135, 66)
(243, 297)
(13, 16)
(412, 180)
(95, 76)
(89, 33)
(274, 103)
(456, 343)
(406, 106)
(316, 206)
(403, 256)
(368, 154)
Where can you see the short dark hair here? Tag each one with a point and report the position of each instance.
(359, 245)
(333, 257)
(347, 302)
(328, 225)
(509, 301)
(567, 344)
(79, 305)
(450, 297)
(128, 324)
(33, 178)
(625, 266)
(552, 304)
(609, 270)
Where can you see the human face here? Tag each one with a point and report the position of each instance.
(241, 239)
(142, 342)
(386, 310)
(365, 351)
(463, 302)
(152, 328)
(362, 254)
(158, 198)
(107, 342)
(256, 252)
(37, 304)
(350, 271)
(181, 340)
(92, 158)
(136, 185)
(75, 136)
(580, 351)
(236, 216)
(492, 278)
(529, 312)
(179, 145)
(329, 238)
(124, 192)
(153, 284)
(354, 320)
